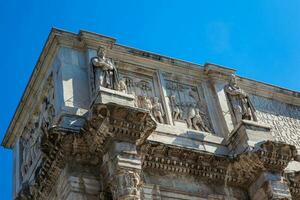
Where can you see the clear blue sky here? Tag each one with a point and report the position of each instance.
(259, 38)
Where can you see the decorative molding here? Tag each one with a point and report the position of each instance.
(112, 121)
(239, 171)
(293, 179)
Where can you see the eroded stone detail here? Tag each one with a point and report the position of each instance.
(283, 118)
(126, 184)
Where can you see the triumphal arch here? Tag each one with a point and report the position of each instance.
(99, 120)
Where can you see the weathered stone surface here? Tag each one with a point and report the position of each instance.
(100, 120)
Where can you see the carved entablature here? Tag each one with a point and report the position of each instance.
(240, 170)
(283, 118)
(58, 148)
(40, 120)
(188, 105)
(111, 121)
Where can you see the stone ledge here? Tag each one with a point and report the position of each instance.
(105, 95)
(248, 134)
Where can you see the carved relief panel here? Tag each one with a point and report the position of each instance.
(283, 118)
(188, 105)
(146, 93)
(37, 125)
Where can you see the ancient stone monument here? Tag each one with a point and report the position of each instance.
(99, 120)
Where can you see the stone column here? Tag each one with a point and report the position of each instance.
(77, 182)
(121, 170)
(269, 186)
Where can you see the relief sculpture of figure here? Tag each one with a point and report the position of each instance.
(191, 113)
(194, 119)
(26, 148)
(176, 111)
(29, 143)
(105, 71)
(198, 122)
(122, 87)
(157, 110)
(239, 102)
(145, 102)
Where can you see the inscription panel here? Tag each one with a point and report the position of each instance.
(283, 118)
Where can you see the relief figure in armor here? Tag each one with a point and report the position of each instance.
(194, 119)
(157, 110)
(122, 87)
(145, 102)
(175, 108)
(239, 102)
(105, 71)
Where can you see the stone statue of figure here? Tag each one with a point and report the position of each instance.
(176, 111)
(105, 71)
(239, 101)
(157, 110)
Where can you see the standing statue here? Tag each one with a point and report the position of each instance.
(105, 71)
(157, 110)
(239, 102)
(176, 111)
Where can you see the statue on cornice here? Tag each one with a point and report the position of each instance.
(239, 101)
(105, 71)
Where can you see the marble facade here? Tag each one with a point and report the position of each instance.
(99, 120)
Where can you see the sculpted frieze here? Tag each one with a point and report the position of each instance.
(187, 105)
(283, 118)
(145, 94)
(40, 120)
